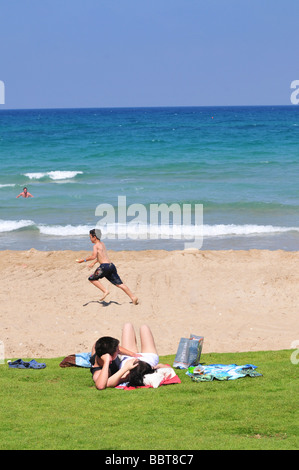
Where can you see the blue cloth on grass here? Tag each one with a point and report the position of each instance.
(83, 359)
(221, 372)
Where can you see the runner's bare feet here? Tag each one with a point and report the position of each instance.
(105, 295)
(135, 300)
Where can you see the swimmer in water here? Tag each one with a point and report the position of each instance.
(24, 194)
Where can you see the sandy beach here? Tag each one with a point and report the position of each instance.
(237, 300)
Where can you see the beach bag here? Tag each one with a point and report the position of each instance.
(189, 352)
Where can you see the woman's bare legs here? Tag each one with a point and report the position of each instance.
(147, 340)
(128, 338)
(129, 341)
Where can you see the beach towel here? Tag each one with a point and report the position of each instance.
(221, 372)
(76, 360)
(155, 380)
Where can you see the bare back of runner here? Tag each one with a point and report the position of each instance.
(106, 268)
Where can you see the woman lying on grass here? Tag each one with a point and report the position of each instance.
(109, 370)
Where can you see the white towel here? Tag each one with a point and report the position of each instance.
(158, 376)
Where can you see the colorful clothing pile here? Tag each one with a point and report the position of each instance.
(221, 372)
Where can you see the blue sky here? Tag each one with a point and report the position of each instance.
(127, 53)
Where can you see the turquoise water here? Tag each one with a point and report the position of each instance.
(240, 163)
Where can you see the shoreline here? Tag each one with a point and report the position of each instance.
(272, 242)
(239, 300)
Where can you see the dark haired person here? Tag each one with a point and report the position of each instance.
(24, 194)
(145, 362)
(106, 268)
(105, 363)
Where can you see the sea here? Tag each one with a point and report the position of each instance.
(220, 178)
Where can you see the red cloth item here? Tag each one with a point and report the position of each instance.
(173, 380)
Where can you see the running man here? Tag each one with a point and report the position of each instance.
(106, 268)
(24, 193)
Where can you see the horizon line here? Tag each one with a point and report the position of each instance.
(150, 107)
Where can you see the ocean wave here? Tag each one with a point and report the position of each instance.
(247, 229)
(143, 231)
(132, 230)
(12, 225)
(53, 175)
(7, 185)
(64, 230)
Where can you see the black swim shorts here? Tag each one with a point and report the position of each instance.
(107, 270)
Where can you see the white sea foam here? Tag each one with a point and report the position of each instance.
(11, 225)
(64, 230)
(54, 175)
(62, 175)
(7, 185)
(144, 231)
(35, 176)
(247, 229)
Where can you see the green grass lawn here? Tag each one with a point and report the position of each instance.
(57, 408)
